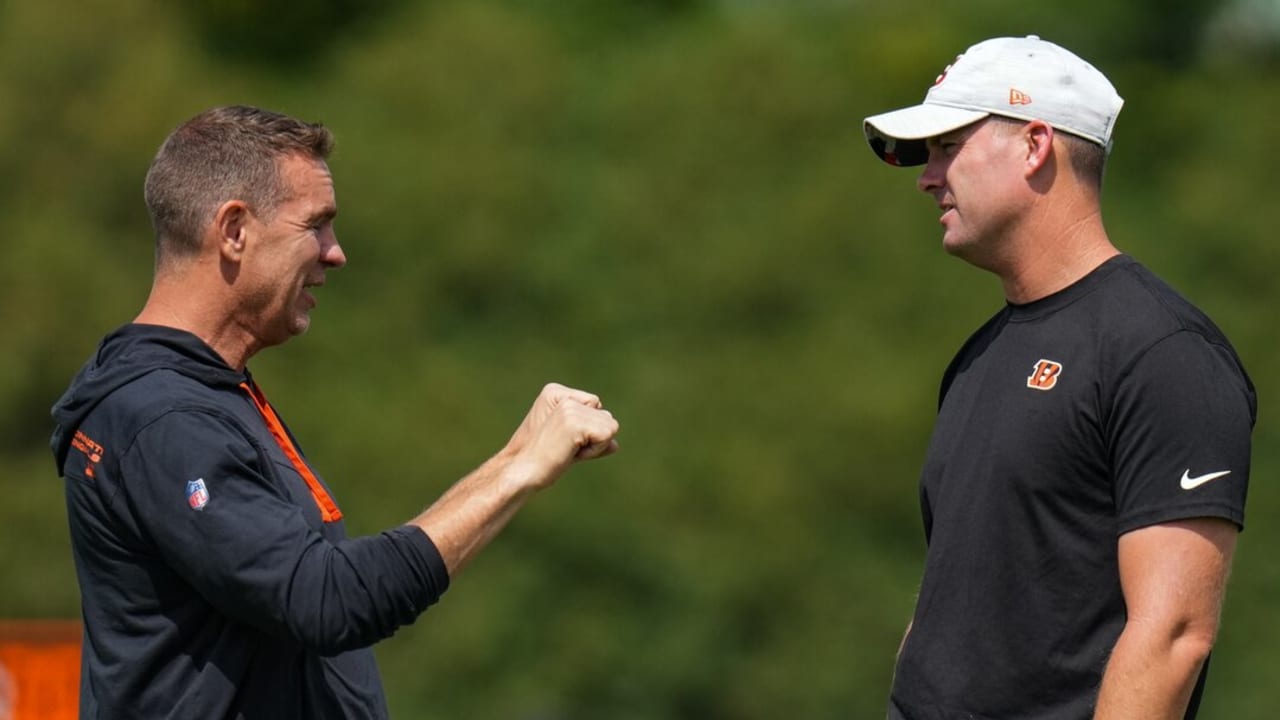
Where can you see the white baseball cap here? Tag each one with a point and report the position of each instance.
(1023, 78)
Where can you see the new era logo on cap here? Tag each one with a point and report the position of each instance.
(1023, 78)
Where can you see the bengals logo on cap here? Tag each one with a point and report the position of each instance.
(947, 69)
(1045, 375)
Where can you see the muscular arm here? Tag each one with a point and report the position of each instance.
(1173, 576)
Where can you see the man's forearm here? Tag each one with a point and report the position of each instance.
(1151, 674)
(473, 512)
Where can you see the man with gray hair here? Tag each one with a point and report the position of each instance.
(1086, 478)
(216, 577)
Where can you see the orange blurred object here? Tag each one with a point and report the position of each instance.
(39, 669)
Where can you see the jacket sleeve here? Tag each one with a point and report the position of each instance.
(207, 494)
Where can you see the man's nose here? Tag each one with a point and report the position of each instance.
(333, 255)
(931, 177)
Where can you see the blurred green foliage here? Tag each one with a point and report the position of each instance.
(670, 203)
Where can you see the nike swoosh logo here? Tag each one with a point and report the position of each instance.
(1191, 483)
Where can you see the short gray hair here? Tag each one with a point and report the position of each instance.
(227, 153)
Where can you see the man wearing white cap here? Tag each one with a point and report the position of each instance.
(1086, 478)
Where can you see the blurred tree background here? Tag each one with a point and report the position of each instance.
(670, 203)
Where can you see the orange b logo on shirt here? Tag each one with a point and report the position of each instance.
(1045, 375)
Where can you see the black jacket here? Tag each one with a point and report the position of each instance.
(211, 585)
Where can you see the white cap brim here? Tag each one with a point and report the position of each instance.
(898, 136)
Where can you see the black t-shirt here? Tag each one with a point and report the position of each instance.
(1063, 423)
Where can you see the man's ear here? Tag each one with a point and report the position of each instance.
(231, 223)
(1038, 136)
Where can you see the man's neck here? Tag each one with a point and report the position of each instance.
(186, 306)
(1058, 249)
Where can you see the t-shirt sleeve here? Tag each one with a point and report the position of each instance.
(207, 496)
(1180, 434)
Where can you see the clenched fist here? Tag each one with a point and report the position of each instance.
(563, 426)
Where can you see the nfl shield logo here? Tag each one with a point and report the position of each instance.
(197, 494)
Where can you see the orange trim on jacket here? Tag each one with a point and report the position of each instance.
(329, 511)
